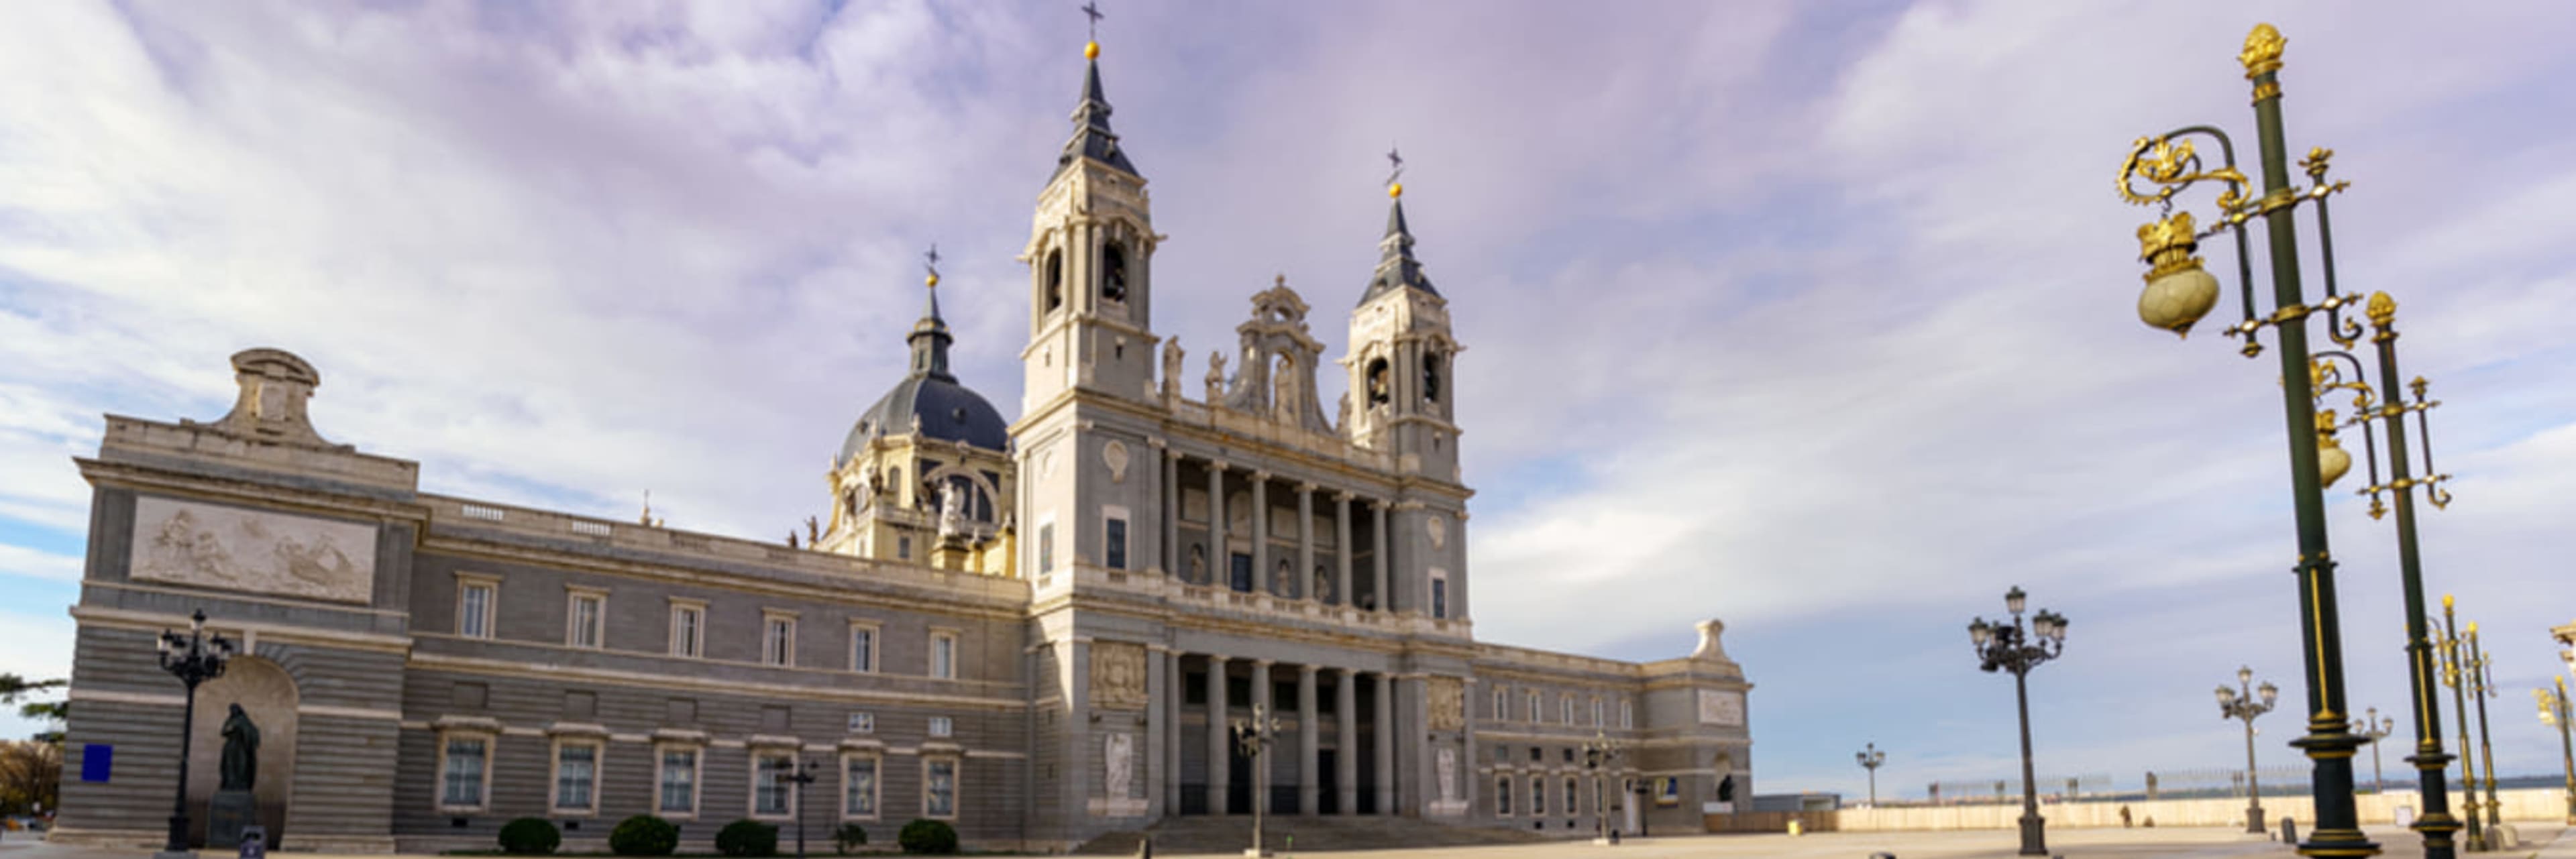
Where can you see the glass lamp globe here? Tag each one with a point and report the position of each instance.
(2226, 697)
(1979, 633)
(2014, 599)
(2270, 693)
(2333, 462)
(2178, 292)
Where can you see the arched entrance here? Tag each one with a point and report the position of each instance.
(268, 698)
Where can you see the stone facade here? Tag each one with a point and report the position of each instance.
(1041, 641)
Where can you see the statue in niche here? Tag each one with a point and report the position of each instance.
(1119, 753)
(813, 531)
(1172, 366)
(1198, 565)
(1323, 585)
(1447, 766)
(867, 486)
(1342, 416)
(952, 514)
(240, 765)
(1282, 582)
(1215, 377)
(1283, 386)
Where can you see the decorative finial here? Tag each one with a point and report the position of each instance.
(2446, 602)
(2382, 309)
(1395, 168)
(2262, 50)
(1091, 49)
(1279, 280)
(646, 520)
(930, 263)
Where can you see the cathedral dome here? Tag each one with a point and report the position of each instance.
(945, 410)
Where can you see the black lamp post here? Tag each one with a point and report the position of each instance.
(2455, 675)
(2241, 703)
(2002, 647)
(1599, 752)
(1870, 758)
(193, 658)
(2481, 691)
(2178, 294)
(1254, 737)
(2554, 710)
(804, 775)
(2374, 728)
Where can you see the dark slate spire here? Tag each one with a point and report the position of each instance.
(1091, 135)
(929, 337)
(1396, 266)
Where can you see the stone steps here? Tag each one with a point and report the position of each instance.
(1232, 834)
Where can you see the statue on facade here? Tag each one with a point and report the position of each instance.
(1172, 366)
(1215, 378)
(813, 530)
(952, 515)
(1342, 417)
(240, 767)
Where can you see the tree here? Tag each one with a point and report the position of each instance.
(31, 772)
(14, 687)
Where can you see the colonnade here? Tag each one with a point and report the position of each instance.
(1299, 747)
(1214, 566)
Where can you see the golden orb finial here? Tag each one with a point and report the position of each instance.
(1091, 50)
(1395, 191)
(932, 280)
(2262, 50)
(2446, 602)
(2473, 629)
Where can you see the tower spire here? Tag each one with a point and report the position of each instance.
(1091, 135)
(1396, 266)
(929, 337)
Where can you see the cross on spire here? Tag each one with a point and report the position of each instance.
(930, 261)
(1395, 165)
(1092, 10)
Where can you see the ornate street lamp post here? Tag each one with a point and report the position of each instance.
(1599, 752)
(1870, 758)
(2481, 691)
(193, 658)
(2244, 705)
(1254, 736)
(2179, 293)
(804, 775)
(2455, 675)
(2373, 728)
(2002, 647)
(2554, 710)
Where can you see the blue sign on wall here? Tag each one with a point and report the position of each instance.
(96, 758)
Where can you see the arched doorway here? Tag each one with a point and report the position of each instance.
(268, 699)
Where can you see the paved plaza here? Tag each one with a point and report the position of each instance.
(2546, 842)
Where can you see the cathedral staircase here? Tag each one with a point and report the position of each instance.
(1196, 835)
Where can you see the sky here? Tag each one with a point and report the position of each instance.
(1818, 319)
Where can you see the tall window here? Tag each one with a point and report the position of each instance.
(1627, 714)
(1431, 368)
(1046, 548)
(464, 760)
(859, 786)
(1113, 272)
(1117, 543)
(1530, 707)
(943, 655)
(677, 778)
(1565, 708)
(778, 638)
(1538, 796)
(475, 599)
(771, 792)
(688, 629)
(584, 617)
(1596, 713)
(576, 776)
(1055, 279)
(863, 648)
(1502, 796)
(1502, 704)
(943, 726)
(1439, 594)
(1574, 796)
(903, 547)
(939, 788)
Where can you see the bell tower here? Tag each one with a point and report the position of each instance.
(1400, 360)
(1090, 257)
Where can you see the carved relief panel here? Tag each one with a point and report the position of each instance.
(1448, 704)
(224, 547)
(1118, 675)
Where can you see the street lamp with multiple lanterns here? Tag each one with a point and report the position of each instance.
(2243, 703)
(194, 658)
(2179, 293)
(2456, 674)
(2011, 647)
(1599, 752)
(2555, 710)
(2374, 728)
(2483, 688)
(1870, 758)
(1253, 737)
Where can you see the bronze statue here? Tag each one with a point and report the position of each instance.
(240, 767)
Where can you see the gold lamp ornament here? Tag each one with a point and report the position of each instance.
(2178, 291)
(2333, 462)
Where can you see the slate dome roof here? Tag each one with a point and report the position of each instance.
(947, 410)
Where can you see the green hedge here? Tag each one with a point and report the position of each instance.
(849, 837)
(747, 838)
(530, 836)
(644, 835)
(924, 835)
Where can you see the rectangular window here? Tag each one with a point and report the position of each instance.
(903, 548)
(1046, 548)
(1565, 708)
(778, 639)
(1502, 704)
(771, 792)
(584, 617)
(465, 760)
(1439, 595)
(863, 723)
(939, 788)
(943, 655)
(688, 629)
(576, 777)
(1538, 796)
(1239, 572)
(1573, 795)
(1529, 708)
(1627, 714)
(678, 779)
(859, 787)
(943, 726)
(1596, 712)
(1117, 544)
(863, 648)
(475, 600)
(1502, 796)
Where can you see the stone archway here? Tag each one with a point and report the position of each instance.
(268, 696)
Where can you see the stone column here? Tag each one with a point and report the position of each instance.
(1262, 704)
(1174, 682)
(1261, 531)
(1377, 557)
(1412, 724)
(1309, 773)
(1217, 560)
(1384, 723)
(1158, 768)
(1175, 561)
(1346, 758)
(1342, 547)
(1216, 706)
(1305, 578)
(1077, 738)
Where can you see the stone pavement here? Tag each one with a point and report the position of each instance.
(2547, 841)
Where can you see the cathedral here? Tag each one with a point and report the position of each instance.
(1157, 594)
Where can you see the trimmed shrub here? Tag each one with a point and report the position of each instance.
(924, 835)
(849, 837)
(530, 836)
(747, 838)
(644, 835)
